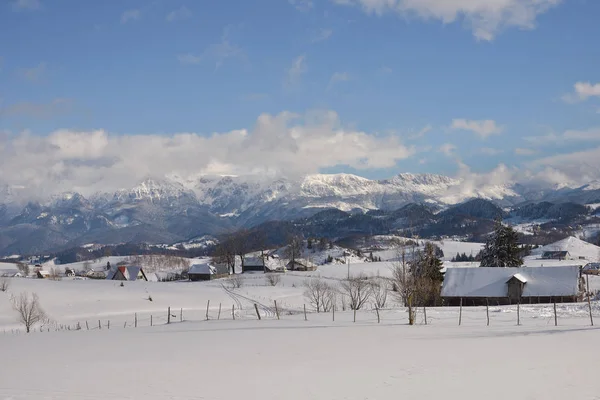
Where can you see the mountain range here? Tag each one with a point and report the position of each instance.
(169, 210)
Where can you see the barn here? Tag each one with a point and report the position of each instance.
(126, 273)
(527, 285)
(207, 271)
(300, 265)
(253, 264)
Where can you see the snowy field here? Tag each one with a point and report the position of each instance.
(315, 359)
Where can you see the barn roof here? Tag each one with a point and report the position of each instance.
(253, 262)
(491, 282)
(203, 269)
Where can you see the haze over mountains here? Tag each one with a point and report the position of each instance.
(171, 210)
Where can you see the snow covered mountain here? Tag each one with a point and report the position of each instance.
(168, 210)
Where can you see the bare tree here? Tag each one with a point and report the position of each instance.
(23, 267)
(4, 284)
(294, 247)
(54, 274)
(379, 290)
(358, 291)
(320, 294)
(405, 284)
(273, 279)
(225, 254)
(87, 266)
(29, 310)
(237, 281)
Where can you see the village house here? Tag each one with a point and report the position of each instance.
(207, 272)
(501, 286)
(300, 264)
(126, 273)
(253, 264)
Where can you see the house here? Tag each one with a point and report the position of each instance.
(253, 264)
(126, 273)
(207, 272)
(480, 286)
(591, 268)
(300, 264)
(95, 274)
(69, 271)
(42, 274)
(556, 255)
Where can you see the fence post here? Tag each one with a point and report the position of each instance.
(99, 325)
(207, 306)
(135, 321)
(181, 315)
(151, 320)
(233, 311)
(306, 319)
(354, 314)
(87, 326)
(487, 310)
(589, 301)
(518, 313)
(377, 310)
(555, 317)
(425, 314)
(276, 309)
(219, 316)
(257, 313)
(125, 324)
(333, 312)
(108, 325)
(169, 315)
(460, 313)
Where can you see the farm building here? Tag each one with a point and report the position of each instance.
(126, 273)
(478, 286)
(591, 268)
(42, 274)
(207, 271)
(253, 264)
(300, 265)
(556, 255)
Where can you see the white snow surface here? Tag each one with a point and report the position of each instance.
(576, 248)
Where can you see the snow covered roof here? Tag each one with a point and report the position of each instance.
(492, 282)
(130, 272)
(204, 269)
(574, 246)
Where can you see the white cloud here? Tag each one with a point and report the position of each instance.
(189, 58)
(448, 149)
(302, 5)
(217, 52)
(337, 78)
(322, 34)
(582, 92)
(425, 130)
(524, 152)
(181, 13)
(571, 135)
(484, 128)
(490, 151)
(130, 15)
(575, 168)
(285, 144)
(295, 72)
(30, 5)
(485, 18)
(33, 74)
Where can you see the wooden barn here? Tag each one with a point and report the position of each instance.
(300, 265)
(501, 286)
(253, 264)
(126, 273)
(207, 272)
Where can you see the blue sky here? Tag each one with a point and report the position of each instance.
(453, 85)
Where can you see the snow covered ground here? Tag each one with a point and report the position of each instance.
(288, 358)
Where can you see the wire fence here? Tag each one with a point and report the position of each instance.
(538, 315)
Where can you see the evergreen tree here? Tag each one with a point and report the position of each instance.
(427, 264)
(502, 248)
